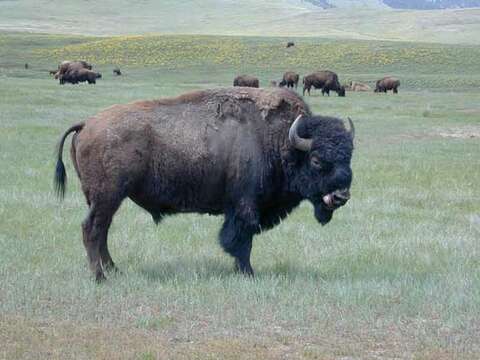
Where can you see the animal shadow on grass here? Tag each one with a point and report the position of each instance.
(209, 268)
(205, 268)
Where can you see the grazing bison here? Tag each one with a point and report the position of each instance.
(387, 83)
(290, 44)
(251, 155)
(290, 79)
(80, 75)
(358, 86)
(325, 80)
(246, 81)
(117, 72)
(70, 66)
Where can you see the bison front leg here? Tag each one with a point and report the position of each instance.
(236, 237)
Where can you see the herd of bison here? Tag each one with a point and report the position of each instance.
(75, 72)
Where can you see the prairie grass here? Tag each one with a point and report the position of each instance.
(395, 275)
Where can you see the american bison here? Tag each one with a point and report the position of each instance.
(117, 72)
(70, 66)
(290, 44)
(246, 81)
(387, 83)
(251, 155)
(80, 75)
(290, 79)
(358, 86)
(325, 80)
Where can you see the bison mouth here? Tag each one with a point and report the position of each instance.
(329, 203)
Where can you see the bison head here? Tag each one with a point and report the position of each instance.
(323, 175)
(341, 91)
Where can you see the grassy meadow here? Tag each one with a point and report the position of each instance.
(395, 275)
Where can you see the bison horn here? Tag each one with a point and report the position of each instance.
(298, 142)
(352, 128)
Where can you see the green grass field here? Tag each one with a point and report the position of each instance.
(395, 275)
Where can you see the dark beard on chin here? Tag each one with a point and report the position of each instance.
(323, 215)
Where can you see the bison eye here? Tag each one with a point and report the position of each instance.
(316, 163)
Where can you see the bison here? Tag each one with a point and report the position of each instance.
(117, 71)
(358, 86)
(70, 66)
(251, 155)
(290, 79)
(387, 83)
(80, 75)
(325, 80)
(290, 44)
(246, 81)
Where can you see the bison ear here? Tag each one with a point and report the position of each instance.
(298, 142)
(352, 128)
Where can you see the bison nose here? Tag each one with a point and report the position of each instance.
(340, 197)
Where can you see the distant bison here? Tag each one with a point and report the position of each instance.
(358, 86)
(117, 72)
(290, 79)
(66, 68)
(290, 44)
(325, 80)
(80, 75)
(246, 80)
(387, 83)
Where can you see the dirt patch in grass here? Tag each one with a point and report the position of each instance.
(26, 339)
(460, 132)
(469, 111)
(465, 132)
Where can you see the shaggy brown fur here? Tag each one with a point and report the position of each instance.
(80, 75)
(387, 83)
(70, 66)
(246, 81)
(325, 80)
(290, 79)
(358, 86)
(219, 151)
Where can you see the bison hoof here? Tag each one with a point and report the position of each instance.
(100, 278)
(243, 268)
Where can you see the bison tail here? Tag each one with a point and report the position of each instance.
(60, 178)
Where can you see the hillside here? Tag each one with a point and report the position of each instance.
(257, 18)
(397, 4)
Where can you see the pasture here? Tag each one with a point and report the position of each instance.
(396, 274)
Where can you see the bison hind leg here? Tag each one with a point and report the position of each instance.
(95, 232)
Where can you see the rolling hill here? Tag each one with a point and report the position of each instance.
(398, 4)
(369, 20)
